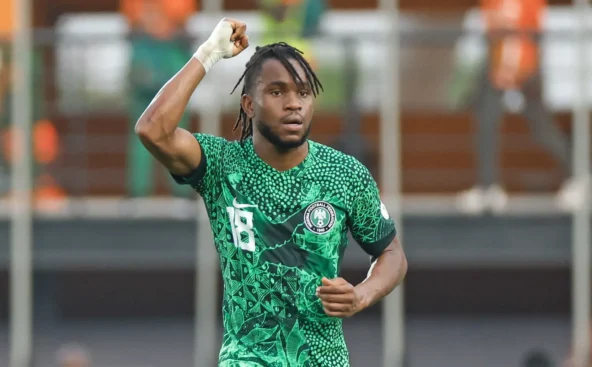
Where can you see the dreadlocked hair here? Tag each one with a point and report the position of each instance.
(282, 52)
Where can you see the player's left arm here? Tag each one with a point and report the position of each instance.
(385, 274)
(342, 299)
(373, 228)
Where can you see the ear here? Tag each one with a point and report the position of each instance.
(247, 105)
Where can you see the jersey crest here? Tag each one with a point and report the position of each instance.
(319, 217)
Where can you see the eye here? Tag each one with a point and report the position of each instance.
(304, 93)
(276, 93)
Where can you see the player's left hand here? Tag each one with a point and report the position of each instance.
(339, 298)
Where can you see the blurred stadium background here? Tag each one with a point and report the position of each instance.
(110, 271)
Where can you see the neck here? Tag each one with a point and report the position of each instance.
(279, 159)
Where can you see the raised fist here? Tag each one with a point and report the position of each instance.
(227, 40)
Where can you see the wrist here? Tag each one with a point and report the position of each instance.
(363, 298)
(206, 57)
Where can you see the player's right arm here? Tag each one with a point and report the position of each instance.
(176, 148)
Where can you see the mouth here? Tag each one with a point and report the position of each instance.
(293, 123)
(292, 120)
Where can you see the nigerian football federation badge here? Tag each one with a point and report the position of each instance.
(319, 217)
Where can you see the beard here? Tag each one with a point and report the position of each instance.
(277, 141)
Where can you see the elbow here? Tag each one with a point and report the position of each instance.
(143, 129)
(149, 131)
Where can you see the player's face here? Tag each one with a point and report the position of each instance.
(282, 109)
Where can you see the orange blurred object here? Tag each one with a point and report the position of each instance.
(517, 52)
(177, 11)
(48, 189)
(6, 17)
(45, 142)
(48, 193)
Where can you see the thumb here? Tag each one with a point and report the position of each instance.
(326, 282)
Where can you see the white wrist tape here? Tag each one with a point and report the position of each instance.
(204, 57)
(217, 47)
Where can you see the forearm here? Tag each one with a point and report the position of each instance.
(164, 113)
(385, 274)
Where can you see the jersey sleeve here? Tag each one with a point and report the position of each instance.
(368, 218)
(207, 173)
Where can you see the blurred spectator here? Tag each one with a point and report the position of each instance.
(72, 355)
(537, 358)
(45, 138)
(159, 50)
(293, 22)
(510, 78)
(6, 24)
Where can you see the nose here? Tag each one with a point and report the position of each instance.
(293, 102)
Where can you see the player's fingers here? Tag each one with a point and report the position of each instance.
(326, 281)
(330, 290)
(335, 281)
(336, 298)
(240, 45)
(336, 289)
(234, 22)
(337, 307)
(238, 29)
(244, 42)
(339, 281)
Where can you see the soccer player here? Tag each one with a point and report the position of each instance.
(280, 207)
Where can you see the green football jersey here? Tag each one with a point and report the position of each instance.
(277, 234)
